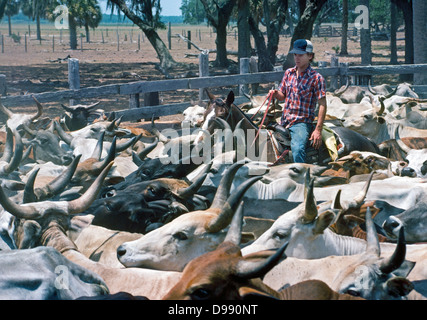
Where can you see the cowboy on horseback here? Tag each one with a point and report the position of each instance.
(302, 88)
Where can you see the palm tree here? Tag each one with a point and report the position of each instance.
(12, 8)
(89, 16)
(77, 11)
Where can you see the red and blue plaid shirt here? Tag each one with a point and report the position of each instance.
(302, 93)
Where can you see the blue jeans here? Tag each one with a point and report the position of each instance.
(300, 133)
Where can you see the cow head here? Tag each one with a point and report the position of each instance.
(15, 120)
(383, 278)
(304, 226)
(77, 116)
(413, 221)
(145, 206)
(46, 147)
(173, 245)
(194, 115)
(368, 123)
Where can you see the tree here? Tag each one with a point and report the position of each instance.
(365, 38)
(273, 18)
(304, 29)
(2, 8)
(75, 11)
(420, 37)
(146, 15)
(344, 27)
(36, 10)
(218, 13)
(11, 9)
(193, 11)
(90, 15)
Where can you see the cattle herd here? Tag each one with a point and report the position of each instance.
(96, 208)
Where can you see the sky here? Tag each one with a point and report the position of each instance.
(169, 7)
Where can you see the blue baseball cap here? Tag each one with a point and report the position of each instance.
(302, 46)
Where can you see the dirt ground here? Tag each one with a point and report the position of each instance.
(104, 61)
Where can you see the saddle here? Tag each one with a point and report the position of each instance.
(283, 138)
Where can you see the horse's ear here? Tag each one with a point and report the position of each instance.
(210, 95)
(230, 98)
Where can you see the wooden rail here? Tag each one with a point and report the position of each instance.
(142, 87)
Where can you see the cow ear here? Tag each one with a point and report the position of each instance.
(323, 221)
(380, 120)
(247, 293)
(399, 286)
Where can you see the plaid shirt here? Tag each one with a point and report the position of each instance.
(302, 94)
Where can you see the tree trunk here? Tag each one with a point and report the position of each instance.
(264, 63)
(73, 32)
(393, 32)
(304, 28)
(420, 38)
(344, 25)
(166, 60)
(221, 44)
(87, 32)
(244, 37)
(39, 33)
(9, 21)
(406, 7)
(365, 39)
(274, 25)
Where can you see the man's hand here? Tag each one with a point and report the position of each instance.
(276, 94)
(316, 138)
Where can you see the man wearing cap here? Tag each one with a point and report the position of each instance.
(302, 88)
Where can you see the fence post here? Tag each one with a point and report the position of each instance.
(343, 73)
(73, 76)
(189, 39)
(253, 67)
(170, 36)
(203, 72)
(134, 101)
(244, 69)
(334, 79)
(2, 43)
(3, 85)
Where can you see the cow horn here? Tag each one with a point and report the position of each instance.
(157, 133)
(234, 233)
(39, 110)
(8, 149)
(189, 191)
(124, 145)
(58, 185)
(29, 195)
(398, 257)
(223, 190)
(310, 207)
(6, 111)
(400, 143)
(229, 208)
(382, 108)
(247, 269)
(62, 134)
(13, 164)
(99, 166)
(391, 93)
(338, 92)
(66, 108)
(111, 126)
(37, 210)
(85, 201)
(97, 152)
(371, 90)
(336, 204)
(147, 149)
(360, 197)
(28, 130)
(373, 244)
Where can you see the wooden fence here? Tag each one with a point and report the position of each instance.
(135, 89)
